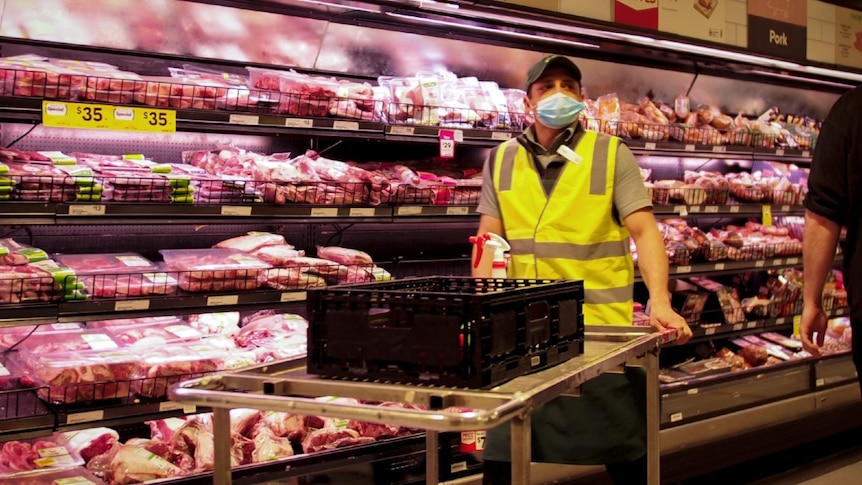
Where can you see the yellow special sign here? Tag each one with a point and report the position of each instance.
(61, 114)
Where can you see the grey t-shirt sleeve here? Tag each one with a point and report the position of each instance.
(630, 195)
(488, 203)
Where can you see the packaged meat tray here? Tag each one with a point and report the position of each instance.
(123, 322)
(153, 334)
(84, 376)
(126, 285)
(164, 366)
(15, 253)
(25, 284)
(11, 375)
(72, 476)
(33, 457)
(106, 263)
(215, 269)
(69, 341)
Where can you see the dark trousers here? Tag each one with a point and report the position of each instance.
(621, 473)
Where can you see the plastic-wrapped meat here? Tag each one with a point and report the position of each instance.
(277, 255)
(290, 426)
(252, 241)
(84, 375)
(335, 193)
(279, 325)
(113, 286)
(24, 284)
(92, 442)
(161, 367)
(220, 323)
(344, 255)
(331, 438)
(216, 269)
(268, 446)
(164, 429)
(243, 420)
(357, 275)
(375, 430)
(133, 464)
(285, 279)
(271, 349)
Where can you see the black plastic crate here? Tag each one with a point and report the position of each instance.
(446, 331)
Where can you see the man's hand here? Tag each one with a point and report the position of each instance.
(813, 321)
(663, 318)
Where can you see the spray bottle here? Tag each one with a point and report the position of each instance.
(498, 245)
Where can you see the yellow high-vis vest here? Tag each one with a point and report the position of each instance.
(570, 233)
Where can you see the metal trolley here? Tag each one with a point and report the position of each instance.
(607, 349)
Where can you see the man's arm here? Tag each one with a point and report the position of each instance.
(652, 262)
(486, 224)
(820, 240)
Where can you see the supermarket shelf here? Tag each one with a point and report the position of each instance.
(726, 267)
(710, 210)
(24, 415)
(156, 305)
(18, 109)
(734, 152)
(14, 213)
(130, 412)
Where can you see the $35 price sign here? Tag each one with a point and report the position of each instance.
(104, 117)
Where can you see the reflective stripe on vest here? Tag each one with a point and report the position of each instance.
(571, 233)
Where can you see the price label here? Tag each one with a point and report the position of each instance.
(689, 148)
(649, 146)
(781, 321)
(767, 215)
(719, 266)
(734, 209)
(777, 262)
(99, 341)
(222, 300)
(806, 153)
(410, 211)
(298, 123)
(779, 152)
(501, 135)
(737, 327)
(719, 149)
(66, 326)
(85, 417)
(792, 260)
(711, 209)
(169, 406)
(58, 114)
(681, 210)
(785, 208)
(458, 467)
(293, 296)
(820, 382)
(675, 417)
(345, 125)
(87, 210)
(235, 210)
(709, 331)
(683, 269)
(751, 325)
(74, 481)
(362, 212)
(458, 136)
(131, 305)
(402, 130)
(457, 211)
(692, 391)
(759, 264)
(324, 212)
(447, 144)
(244, 120)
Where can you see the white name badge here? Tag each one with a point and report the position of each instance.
(569, 154)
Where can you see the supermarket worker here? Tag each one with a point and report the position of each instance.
(567, 200)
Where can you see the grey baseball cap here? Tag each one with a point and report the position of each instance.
(538, 68)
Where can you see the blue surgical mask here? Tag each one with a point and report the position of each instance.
(558, 110)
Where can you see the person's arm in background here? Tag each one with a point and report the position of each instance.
(652, 262)
(820, 240)
(826, 207)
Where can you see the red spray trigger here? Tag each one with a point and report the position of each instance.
(479, 241)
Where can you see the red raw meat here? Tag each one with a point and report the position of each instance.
(243, 420)
(280, 325)
(90, 443)
(253, 241)
(268, 447)
(133, 464)
(164, 429)
(331, 438)
(283, 425)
